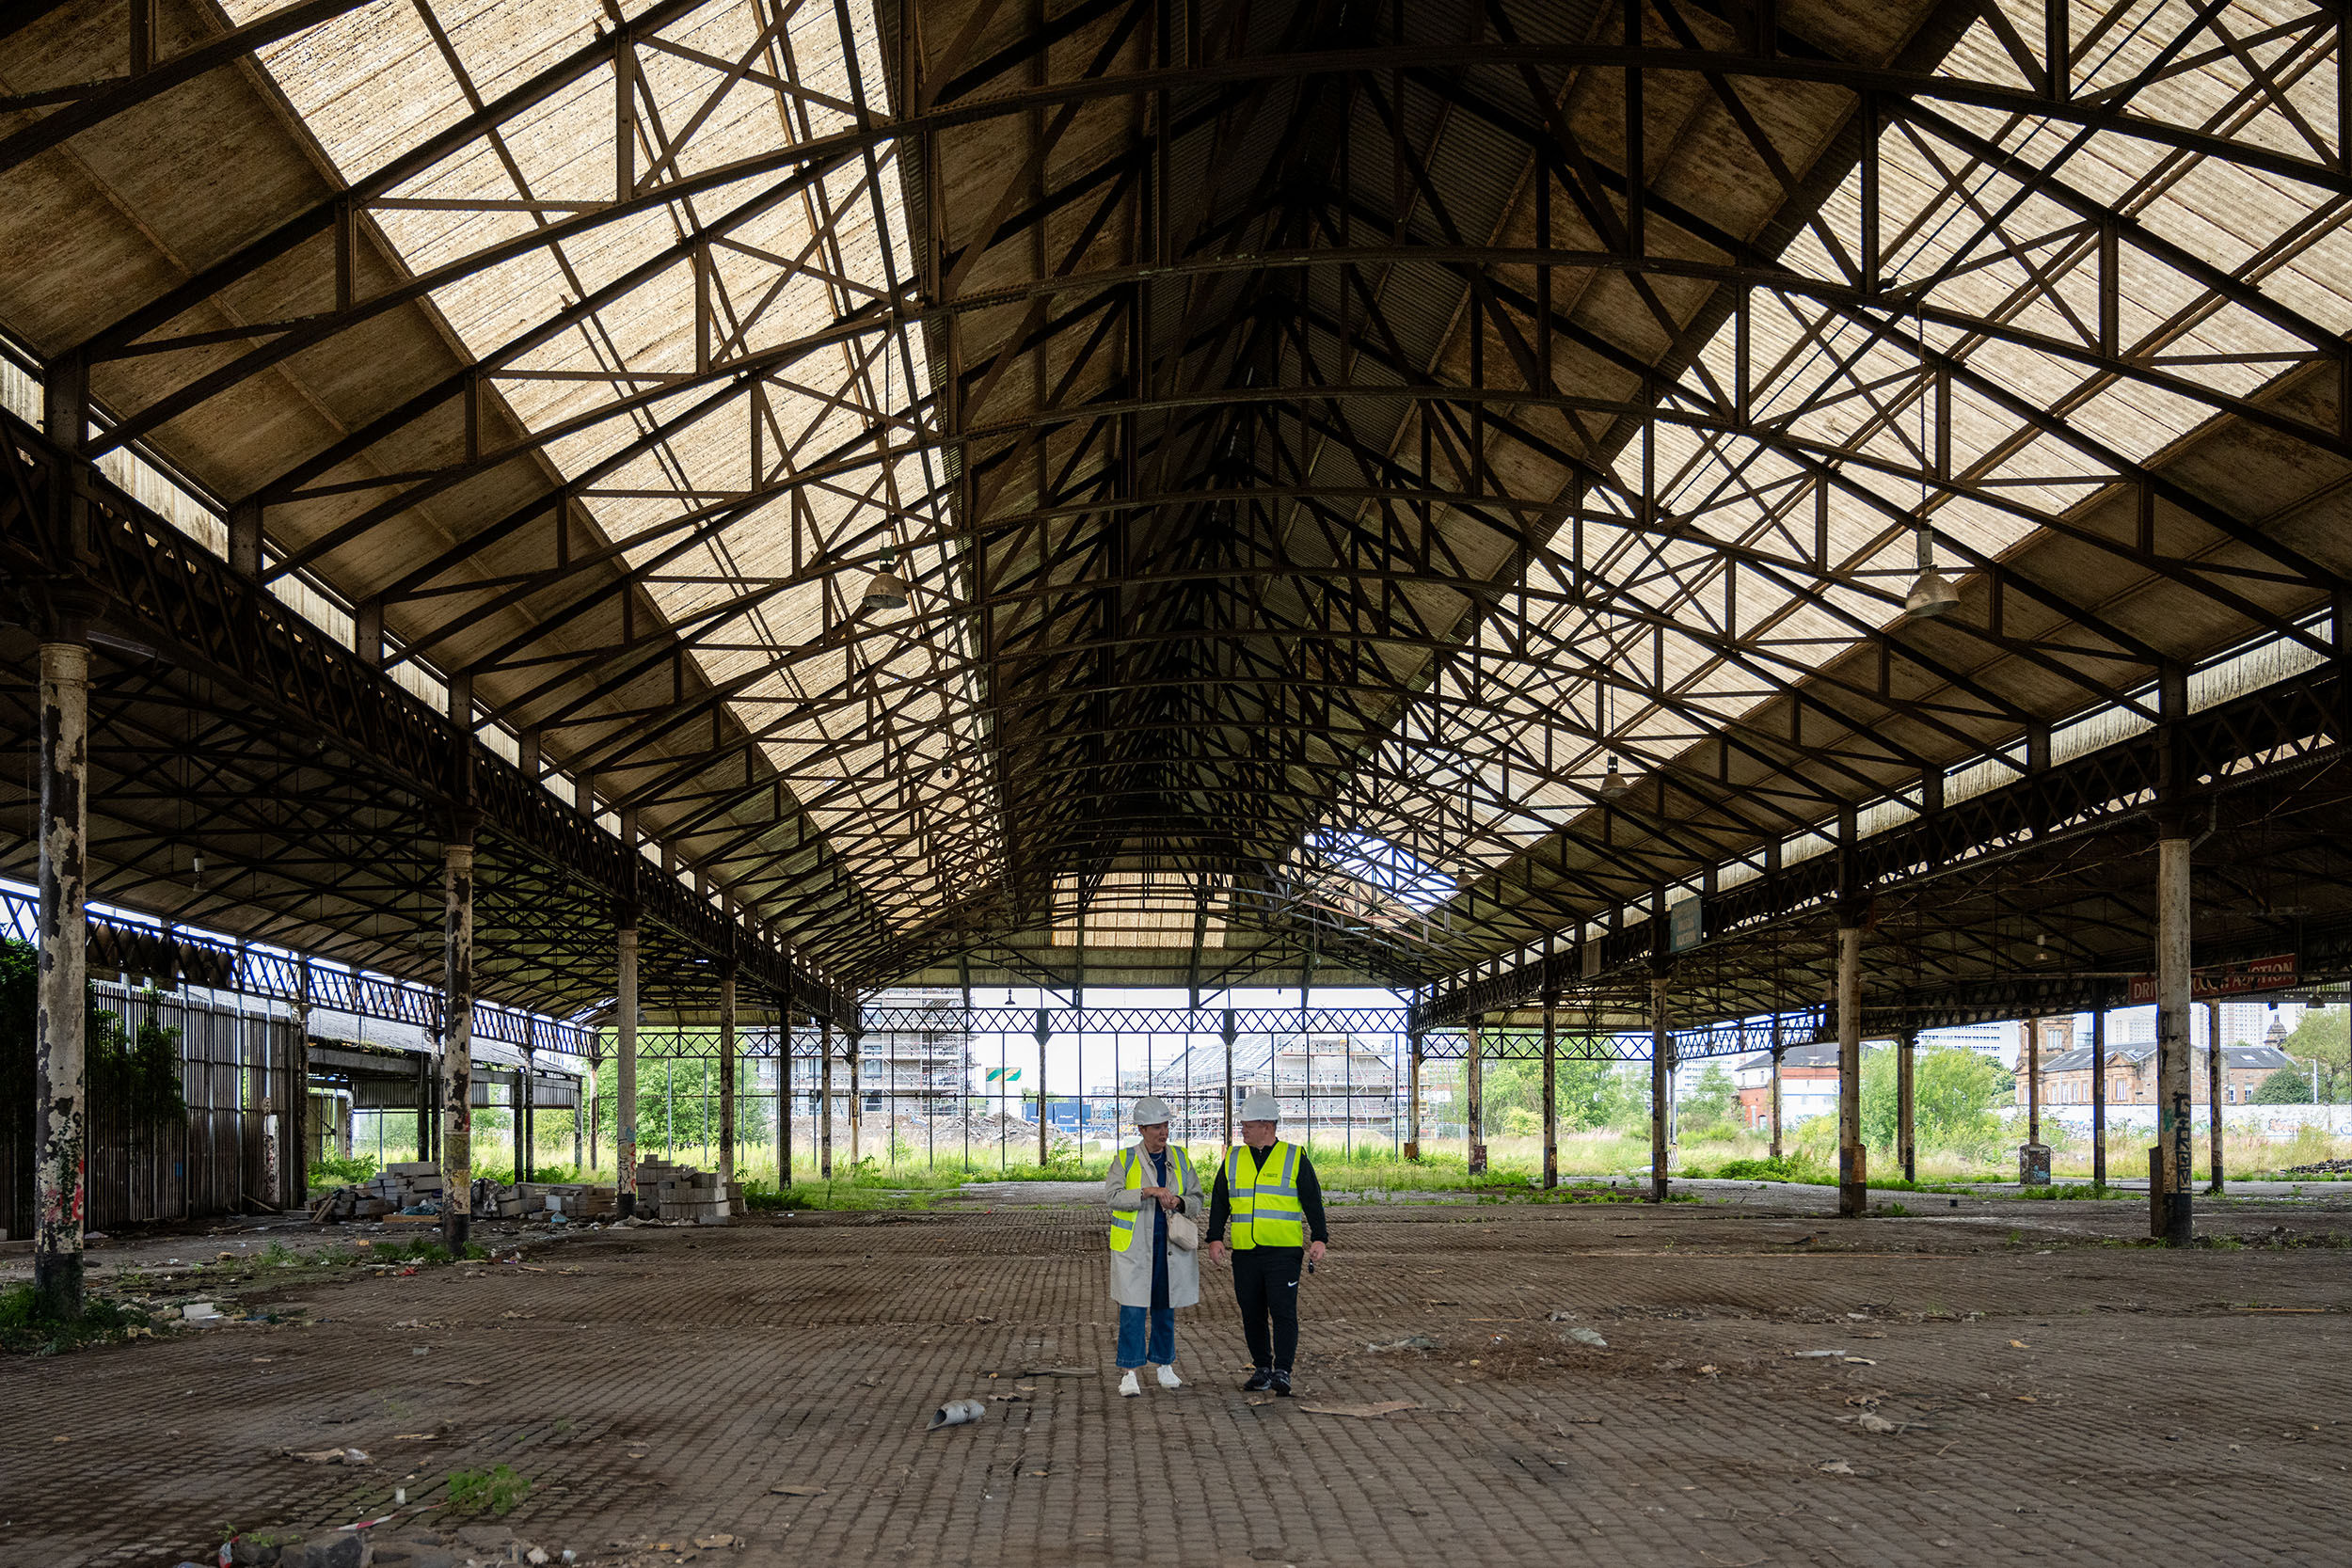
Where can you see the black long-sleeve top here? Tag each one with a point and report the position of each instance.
(1309, 1199)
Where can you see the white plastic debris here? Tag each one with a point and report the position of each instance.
(956, 1413)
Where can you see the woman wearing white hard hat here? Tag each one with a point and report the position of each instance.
(1154, 1196)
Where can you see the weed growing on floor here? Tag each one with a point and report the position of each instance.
(496, 1490)
(26, 1330)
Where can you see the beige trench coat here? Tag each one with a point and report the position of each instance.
(1131, 1270)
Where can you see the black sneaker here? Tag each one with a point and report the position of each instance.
(1262, 1379)
(1281, 1382)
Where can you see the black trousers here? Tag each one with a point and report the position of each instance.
(1265, 1283)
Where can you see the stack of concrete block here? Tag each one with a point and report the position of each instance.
(403, 1185)
(574, 1200)
(681, 1193)
(534, 1200)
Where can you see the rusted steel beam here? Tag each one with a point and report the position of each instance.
(107, 99)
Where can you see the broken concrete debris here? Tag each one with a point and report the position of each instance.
(406, 1186)
(411, 1190)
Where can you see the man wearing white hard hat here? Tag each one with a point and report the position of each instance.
(1154, 1197)
(1269, 1206)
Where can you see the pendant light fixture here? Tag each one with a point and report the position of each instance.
(1612, 784)
(886, 589)
(1931, 592)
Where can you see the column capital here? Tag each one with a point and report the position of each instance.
(63, 608)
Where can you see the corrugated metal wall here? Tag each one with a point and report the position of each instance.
(243, 1079)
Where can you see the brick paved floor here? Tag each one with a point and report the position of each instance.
(2059, 1399)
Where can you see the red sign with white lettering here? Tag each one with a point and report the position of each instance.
(2208, 985)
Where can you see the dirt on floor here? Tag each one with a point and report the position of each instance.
(2007, 1381)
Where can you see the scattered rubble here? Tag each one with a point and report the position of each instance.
(412, 1190)
(409, 1187)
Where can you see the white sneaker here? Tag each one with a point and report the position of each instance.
(1128, 1386)
(1169, 1378)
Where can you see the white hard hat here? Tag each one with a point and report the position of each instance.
(1261, 1107)
(1151, 1110)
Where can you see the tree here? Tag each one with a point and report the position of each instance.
(1589, 1091)
(2289, 1086)
(1707, 1103)
(1953, 1090)
(2325, 1037)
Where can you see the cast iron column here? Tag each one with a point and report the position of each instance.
(1412, 1101)
(726, 1080)
(2098, 1096)
(62, 992)
(457, 1040)
(625, 1087)
(1661, 1081)
(784, 1100)
(1777, 1049)
(2172, 1030)
(1853, 1185)
(1473, 1102)
(1551, 1089)
(2215, 1076)
(825, 1095)
(2033, 1081)
(1042, 1122)
(1229, 1032)
(850, 1054)
(1906, 1141)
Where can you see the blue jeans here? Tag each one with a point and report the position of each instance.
(1133, 1349)
(1161, 1348)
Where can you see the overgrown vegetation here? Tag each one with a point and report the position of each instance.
(331, 1171)
(26, 1330)
(136, 1076)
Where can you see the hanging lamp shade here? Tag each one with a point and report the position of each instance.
(1612, 784)
(1931, 591)
(1932, 594)
(886, 590)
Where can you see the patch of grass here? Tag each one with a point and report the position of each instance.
(421, 1251)
(26, 1330)
(1784, 1167)
(2067, 1190)
(496, 1490)
(830, 1196)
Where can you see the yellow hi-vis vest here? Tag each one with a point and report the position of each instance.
(1263, 1199)
(1124, 1220)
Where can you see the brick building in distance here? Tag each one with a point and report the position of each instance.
(2132, 1073)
